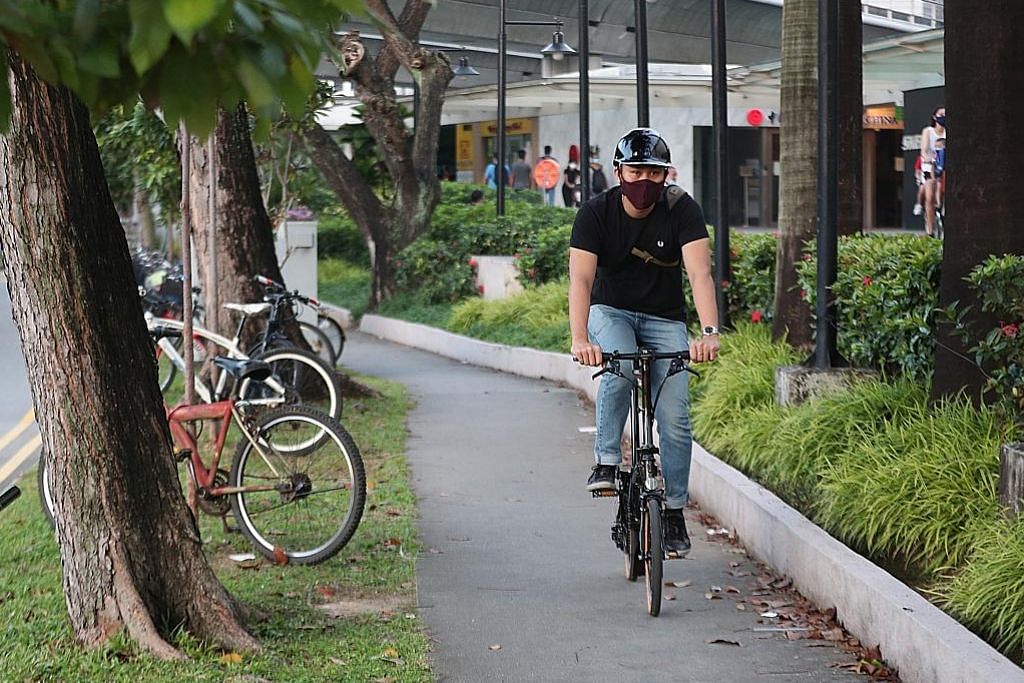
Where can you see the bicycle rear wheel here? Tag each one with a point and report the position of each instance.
(305, 505)
(334, 331)
(654, 555)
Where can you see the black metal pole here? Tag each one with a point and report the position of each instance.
(499, 172)
(643, 104)
(720, 117)
(826, 354)
(584, 57)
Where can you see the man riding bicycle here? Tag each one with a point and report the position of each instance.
(625, 290)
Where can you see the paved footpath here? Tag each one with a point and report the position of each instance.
(520, 556)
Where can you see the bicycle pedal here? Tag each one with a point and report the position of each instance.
(604, 493)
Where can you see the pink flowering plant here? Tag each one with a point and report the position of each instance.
(887, 291)
(998, 346)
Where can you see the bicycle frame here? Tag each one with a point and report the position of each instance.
(230, 346)
(203, 475)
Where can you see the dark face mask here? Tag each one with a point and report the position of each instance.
(941, 120)
(642, 193)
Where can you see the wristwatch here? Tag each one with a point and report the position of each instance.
(709, 331)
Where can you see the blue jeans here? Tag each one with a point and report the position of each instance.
(549, 197)
(615, 329)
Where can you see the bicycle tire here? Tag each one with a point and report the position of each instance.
(309, 380)
(334, 331)
(283, 520)
(166, 370)
(45, 496)
(654, 556)
(628, 496)
(318, 342)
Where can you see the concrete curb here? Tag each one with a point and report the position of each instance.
(923, 642)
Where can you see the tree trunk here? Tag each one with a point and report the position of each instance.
(410, 156)
(244, 240)
(984, 59)
(130, 552)
(851, 119)
(799, 160)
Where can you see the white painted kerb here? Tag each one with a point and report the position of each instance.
(923, 642)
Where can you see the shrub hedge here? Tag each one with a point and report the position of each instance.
(887, 293)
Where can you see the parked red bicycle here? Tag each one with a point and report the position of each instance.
(296, 486)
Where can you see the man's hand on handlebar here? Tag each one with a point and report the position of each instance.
(586, 353)
(704, 349)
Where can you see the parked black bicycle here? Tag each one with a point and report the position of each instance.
(638, 530)
(323, 338)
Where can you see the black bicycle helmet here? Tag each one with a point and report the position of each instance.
(642, 147)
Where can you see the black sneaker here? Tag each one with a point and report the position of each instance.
(602, 478)
(677, 541)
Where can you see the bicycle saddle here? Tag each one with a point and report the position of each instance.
(245, 368)
(249, 309)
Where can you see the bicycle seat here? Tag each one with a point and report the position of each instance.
(246, 368)
(249, 309)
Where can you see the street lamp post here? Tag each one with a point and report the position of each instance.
(643, 102)
(557, 49)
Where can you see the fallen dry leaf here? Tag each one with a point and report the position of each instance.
(230, 658)
(337, 662)
(712, 596)
(326, 591)
(741, 607)
(723, 641)
(833, 634)
(731, 589)
(669, 595)
(280, 558)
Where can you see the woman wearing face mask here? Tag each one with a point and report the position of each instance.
(570, 184)
(933, 143)
(626, 290)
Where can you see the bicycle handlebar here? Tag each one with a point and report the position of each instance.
(651, 355)
(276, 289)
(158, 332)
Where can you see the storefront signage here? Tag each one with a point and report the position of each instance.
(514, 126)
(884, 117)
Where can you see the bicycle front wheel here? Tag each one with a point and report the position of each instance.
(304, 504)
(319, 342)
(654, 555)
(332, 328)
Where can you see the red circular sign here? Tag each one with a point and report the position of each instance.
(755, 117)
(546, 173)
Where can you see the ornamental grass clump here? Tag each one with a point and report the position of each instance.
(987, 595)
(537, 317)
(910, 492)
(787, 448)
(742, 379)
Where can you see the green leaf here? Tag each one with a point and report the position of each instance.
(100, 59)
(259, 89)
(150, 34)
(186, 17)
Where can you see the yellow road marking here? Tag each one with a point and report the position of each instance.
(10, 436)
(21, 456)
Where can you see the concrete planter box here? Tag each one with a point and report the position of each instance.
(497, 276)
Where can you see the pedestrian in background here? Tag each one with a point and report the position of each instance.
(521, 172)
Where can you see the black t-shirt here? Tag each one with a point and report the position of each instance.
(623, 280)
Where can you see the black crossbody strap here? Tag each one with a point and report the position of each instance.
(648, 258)
(673, 193)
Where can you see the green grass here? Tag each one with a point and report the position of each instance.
(343, 284)
(301, 642)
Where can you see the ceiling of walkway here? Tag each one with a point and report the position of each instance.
(678, 32)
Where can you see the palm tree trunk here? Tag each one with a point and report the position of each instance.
(799, 160)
